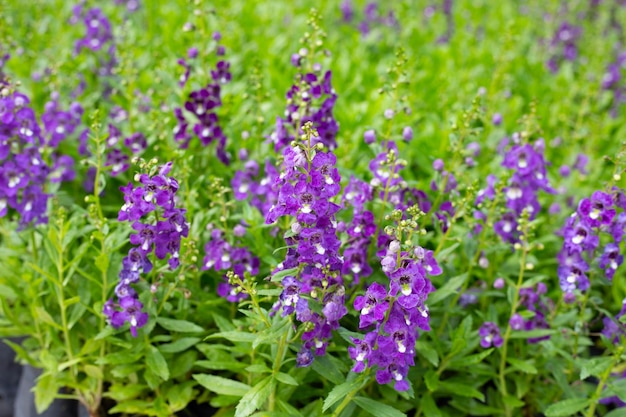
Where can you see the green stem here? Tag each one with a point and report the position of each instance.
(596, 395)
(278, 362)
(350, 395)
(507, 334)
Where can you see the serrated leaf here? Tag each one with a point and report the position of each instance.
(594, 367)
(222, 386)
(567, 407)
(377, 408)
(157, 364)
(181, 326)
(340, 391)
(450, 287)
(255, 398)
(523, 366)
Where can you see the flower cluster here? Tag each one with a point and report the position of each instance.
(98, 37)
(23, 171)
(581, 239)
(531, 299)
(307, 183)
(311, 99)
(614, 81)
(563, 46)
(203, 104)
(521, 193)
(161, 233)
(222, 256)
(614, 329)
(372, 17)
(256, 186)
(397, 314)
(360, 230)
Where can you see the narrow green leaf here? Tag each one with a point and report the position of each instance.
(376, 408)
(255, 398)
(462, 390)
(286, 379)
(523, 366)
(429, 407)
(181, 326)
(222, 386)
(156, 363)
(470, 360)
(618, 412)
(512, 401)
(179, 345)
(235, 336)
(277, 277)
(431, 379)
(531, 334)
(324, 366)
(340, 391)
(102, 262)
(427, 351)
(449, 288)
(567, 407)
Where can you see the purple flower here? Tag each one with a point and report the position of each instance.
(490, 335)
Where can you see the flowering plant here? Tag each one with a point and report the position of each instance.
(339, 227)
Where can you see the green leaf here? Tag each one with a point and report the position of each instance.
(512, 401)
(286, 379)
(156, 363)
(427, 351)
(618, 412)
(567, 407)
(324, 366)
(429, 407)
(339, 392)
(180, 326)
(221, 365)
(179, 345)
(376, 408)
(235, 336)
(450, 287)
(222, 386)
(45, 391)
(470, 360)
(463, 390)
(431, 379)
(277, 277)
(102, 262)
(594, 367)
(523, 366)
(530, 334)
(255, 398)
(258, 368)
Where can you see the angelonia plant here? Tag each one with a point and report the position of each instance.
(393, 210)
